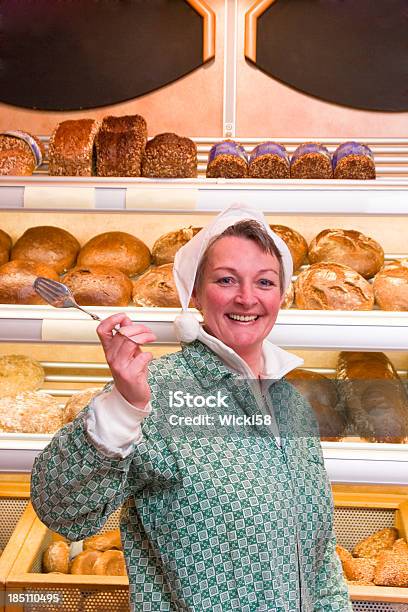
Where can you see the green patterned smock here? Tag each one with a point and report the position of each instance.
(214, 518)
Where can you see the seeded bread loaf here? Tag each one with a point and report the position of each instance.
(120, 144)
(269, 160)
(227, 159)
(170, 156)
(71, 148)
(20, 153)
(311, 160)
(353, 160)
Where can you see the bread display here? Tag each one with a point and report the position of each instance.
(377, 404)
(170, 156)
(311, 160)
(16, 281)
(56, 558)
(118, 250)
(71, 148)
(165, 247)
(348, 247)
(19, 373)
(5, 247)
(288, 298)
(30, 412)
(227, 159)
(20, 153)
(103, 541)
(52, 246)
(391, 286)
(295, 242)
(331, 286)
(120, 144)
(99, 286)
(156, 287)
(269, 160)
(77, 402)
(353, 160)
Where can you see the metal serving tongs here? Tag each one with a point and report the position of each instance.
(59, 295)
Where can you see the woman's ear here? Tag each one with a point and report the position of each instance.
(194, 300)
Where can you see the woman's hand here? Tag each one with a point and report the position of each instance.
(128, 364)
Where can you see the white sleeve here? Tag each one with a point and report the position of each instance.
(113, 425)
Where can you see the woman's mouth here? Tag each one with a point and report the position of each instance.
(242, 318)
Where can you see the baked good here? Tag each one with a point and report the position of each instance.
(71, 148)
(156, 287)
(120, 144)
(30, 412)
(343, 553)
(269, 160)
(288, 297)
(375, 543)
(99, 286)
(391, 569)
(117, 250)
(56, 558)
(321, 393)
(5, 246)
(227, 159)
(103, 541)
(170, 156)
(77, 402)
(400, 546)
(19, 373)
(84, 562)
(165, 247)
(295, 242)
(52, 246)
(20, 153)
(353, 160)
(16, 281)
(110, 563)
(391, 286)
(377, 404)
(311, 160)
(359, 569)
(331, 286)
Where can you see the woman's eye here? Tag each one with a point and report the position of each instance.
(265, 282)
(225, 280)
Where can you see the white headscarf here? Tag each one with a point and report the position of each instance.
(189, 256)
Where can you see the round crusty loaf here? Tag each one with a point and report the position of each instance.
(117, 250)
(295, 242)
(289, 297)
(48, 245)
(19, 373)
(5, 246)
(347, 247)
(391, 286)
(16, 281)
(30, 412)
(56, 558)
(165, 247)
(99, 286)
(156, 288)
(331, 286)
(78, 402)
(170, 156)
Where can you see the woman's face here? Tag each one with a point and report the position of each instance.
(239, 295)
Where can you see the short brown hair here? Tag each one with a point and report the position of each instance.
(252, 230)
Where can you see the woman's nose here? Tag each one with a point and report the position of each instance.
(246, 295)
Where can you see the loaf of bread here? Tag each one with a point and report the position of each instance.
(165, 247)
(348, 247)
(118, 250)
(391, 286)
(99, 286)
(16, 281)
(343, 553)
(227, 159)
(52, 246)
(5, 247)
(71, 148)
(120, 144)
(295, 242)
(20, 153)
(19, 373)
(321, 393)
(156, 288)
(103, 541)
(269, 160)
(110, 563)
(400, 547)
(377, 404)
(391, 569)
(288, 298)
(56, 558)
(77, 402)
(170, 156)
(311, 160)
(331, 286)
(353, 160)
(371, 546)
(84, 562)
(30, 412)
(359, 569)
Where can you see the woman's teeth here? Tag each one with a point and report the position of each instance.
(243, 318)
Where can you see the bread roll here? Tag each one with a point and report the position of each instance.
(170, 156)
(165, 247)
(110, 563)
(269, 160)
(353, 160)
(117, 250)
(78, 402)
(103, 541)
(377, 404)
(350, 248)
(227, 159)
(30, 412)
(99, 286)
(311, 160)
(391, 569)
(16, 281)
(56, 558)
(156, 288)
(375, 543)
(359, 569)
(19, 373)
(71, 148)
(295, 242)
(288, 298)
(120, 144)
(331, 286)
(20, 153)
(52, 246)
(391, 286)
(5, 246)
(84, 562)
(343, 553)
(400, 546)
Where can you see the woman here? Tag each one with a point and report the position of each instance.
(215, 516)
